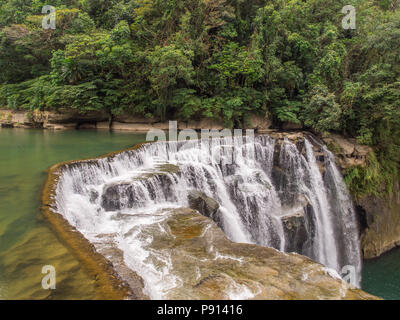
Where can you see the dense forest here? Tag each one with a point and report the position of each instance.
(290, 60)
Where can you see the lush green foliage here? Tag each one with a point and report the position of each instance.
(222, 59)
(376, 178)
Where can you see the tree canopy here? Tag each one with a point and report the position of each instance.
(222, 59)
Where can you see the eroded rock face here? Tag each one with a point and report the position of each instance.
(107, 247)
(259, 123)
(348, 151)
(130, 194)
(379, 216)
(381, 222)
(125, 126)
(112, 194)
(292, 126)
(207, 265)
(295, 226)
(299, 228)
(205, 205)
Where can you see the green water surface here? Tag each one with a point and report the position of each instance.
(26, 242)
(381, 276)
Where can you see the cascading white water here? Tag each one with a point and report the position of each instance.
(327, 242)
(269, 193)
(346, 226)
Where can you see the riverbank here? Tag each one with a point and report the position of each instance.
(67, 119)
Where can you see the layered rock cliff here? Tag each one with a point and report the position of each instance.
(380, 218)
(73, 119)
(379, 215)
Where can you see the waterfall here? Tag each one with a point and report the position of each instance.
(270, 192)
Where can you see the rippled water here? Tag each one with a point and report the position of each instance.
(381, 276)
(26, 242)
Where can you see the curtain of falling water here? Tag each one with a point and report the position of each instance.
(272, 194)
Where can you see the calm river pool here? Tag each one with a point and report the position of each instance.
(26, 241)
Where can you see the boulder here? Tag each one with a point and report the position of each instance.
(111, 196)
(380, 222)
(294, 137)
(127, 194)
(291, 126)
(138, 127)
(259, 123)
(295, 232)
(182, 125)
(345, 145)
(348, 151)
(298, 227)
(12, 118)
(22, 125)
(94, 195)
(19, 117)
(205, 205)
(361, 151)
